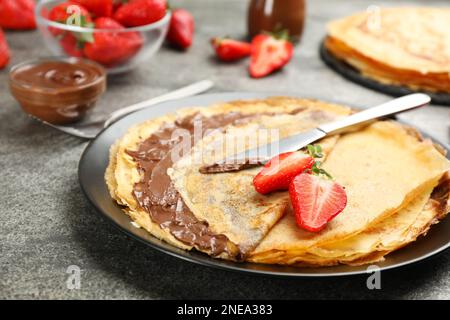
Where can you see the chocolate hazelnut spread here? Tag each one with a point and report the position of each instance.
(275, 15)
(57, 90)
(156, 193)
(230, 167)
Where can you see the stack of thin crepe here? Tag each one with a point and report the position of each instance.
(405, 46)
(396, 185)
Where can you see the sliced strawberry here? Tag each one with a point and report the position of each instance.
(230, 50)
(99, 8)
(181, 30)
(140, 12)
(4, 50)
(316, 200)
(112, 48)
(280, 170)
(269, 54)
(17, 14)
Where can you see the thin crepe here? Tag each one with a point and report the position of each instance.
(403, 46)
(288, 114)
(374, 244)
(383, 168)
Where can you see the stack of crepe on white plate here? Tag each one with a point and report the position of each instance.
(396, 184)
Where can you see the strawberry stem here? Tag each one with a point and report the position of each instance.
(316, 152)
(279, 34)
(317, 170)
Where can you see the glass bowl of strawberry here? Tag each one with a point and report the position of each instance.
(120, 35)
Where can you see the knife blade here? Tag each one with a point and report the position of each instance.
(263, 153)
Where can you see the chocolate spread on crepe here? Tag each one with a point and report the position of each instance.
(230, 167)
(156, 193)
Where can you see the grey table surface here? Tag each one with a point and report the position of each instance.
(46, 224)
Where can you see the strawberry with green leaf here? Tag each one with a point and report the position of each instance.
(316, 198)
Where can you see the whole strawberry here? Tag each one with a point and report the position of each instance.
(181, 30)
(111, 48)
(140, 12)
(230, 50)
(4, 50)
(99, 8)
(17, 14)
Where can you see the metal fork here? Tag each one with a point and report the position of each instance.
(90, 130)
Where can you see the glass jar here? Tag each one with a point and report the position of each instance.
(276, 15)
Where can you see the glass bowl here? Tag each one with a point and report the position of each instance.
(58, 90)
(132, 46)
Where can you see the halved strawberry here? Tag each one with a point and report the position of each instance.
(269, 53)
(316, 200)
(280, 170)
(229, 49)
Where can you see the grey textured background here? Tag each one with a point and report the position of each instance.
(46, 224)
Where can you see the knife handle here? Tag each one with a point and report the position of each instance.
(362, 118)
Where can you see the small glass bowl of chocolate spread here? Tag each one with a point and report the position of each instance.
(57, 90)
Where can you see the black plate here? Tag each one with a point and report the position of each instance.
(354, 75)
(92, 168)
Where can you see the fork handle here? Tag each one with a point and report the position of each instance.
(187, 91)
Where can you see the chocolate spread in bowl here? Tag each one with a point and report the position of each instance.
(57, 90)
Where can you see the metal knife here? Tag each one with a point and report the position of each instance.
(260, 155)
